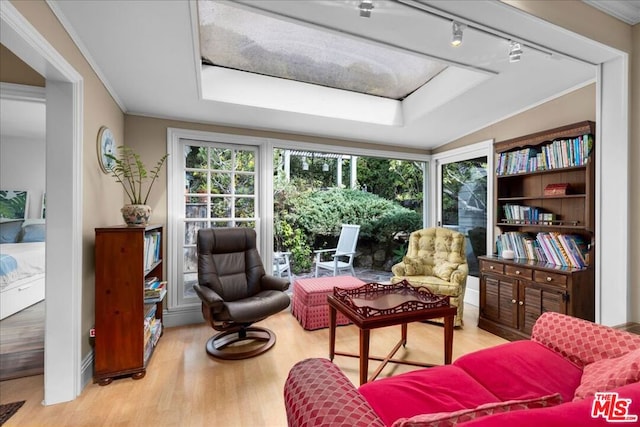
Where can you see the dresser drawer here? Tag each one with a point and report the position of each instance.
(517, 271)
(550, 278)
(491, 267)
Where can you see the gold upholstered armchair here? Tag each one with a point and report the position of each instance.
(436, 259)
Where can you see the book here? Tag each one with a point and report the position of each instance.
(155, 289)
(558, 189)
(579, 248)
(158, 298)
(564, 257)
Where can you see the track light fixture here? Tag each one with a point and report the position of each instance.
(456, 34)
(515, 51)
(366, 6)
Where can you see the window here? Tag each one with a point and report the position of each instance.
(220, 190)
(242, 39)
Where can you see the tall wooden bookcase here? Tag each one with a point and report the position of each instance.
(127, 329)
(514, 293)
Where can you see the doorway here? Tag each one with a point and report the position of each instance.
(463, 203)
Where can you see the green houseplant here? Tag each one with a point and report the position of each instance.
(129, 170)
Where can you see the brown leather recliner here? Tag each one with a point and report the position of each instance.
(235, 291)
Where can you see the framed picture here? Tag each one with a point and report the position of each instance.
(14, 204)
(106, 145)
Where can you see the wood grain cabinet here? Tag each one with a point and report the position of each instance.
(514, 293)
(127, 329)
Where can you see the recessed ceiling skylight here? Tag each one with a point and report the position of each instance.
(238, 38)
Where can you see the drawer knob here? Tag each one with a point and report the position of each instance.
(517, 271)
(491, 267)
(549, 279)
(513, 301)
(521, 302)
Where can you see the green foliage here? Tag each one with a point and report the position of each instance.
(398, 180)
(400, 252)
(312, 219)
(454, 177)
(131, 173)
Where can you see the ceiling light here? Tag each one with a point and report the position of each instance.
(325, 167)
(515, 51)
(366, 6)
(456, 34)
(305, 165)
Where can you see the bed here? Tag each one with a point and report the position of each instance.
(22, 265)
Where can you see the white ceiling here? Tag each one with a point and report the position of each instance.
(147, 54)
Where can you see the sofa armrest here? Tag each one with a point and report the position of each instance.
(459, 275)
(275, 283)
(398, 269)
(209, 297)
(317, 393)
(580, 341)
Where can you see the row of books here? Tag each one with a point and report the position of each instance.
(152, 248)
(566, 250)
(154, 290)
(526, 214)
(152, 332)
(561, 153)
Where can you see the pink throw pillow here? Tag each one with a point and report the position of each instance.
(608, 374)
(446, 419)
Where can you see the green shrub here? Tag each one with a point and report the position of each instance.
(312, 219)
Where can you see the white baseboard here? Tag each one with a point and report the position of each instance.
(472, 297)
(86, 372)
(182, 316)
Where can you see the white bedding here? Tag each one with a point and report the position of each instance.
(30, 260)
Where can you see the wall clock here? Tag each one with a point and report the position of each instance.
(106, 145)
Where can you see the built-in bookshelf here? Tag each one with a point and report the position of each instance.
(544, 206)
(129, 294)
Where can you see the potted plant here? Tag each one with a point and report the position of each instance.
(128, 170)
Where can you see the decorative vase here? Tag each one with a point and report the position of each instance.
(136, 215)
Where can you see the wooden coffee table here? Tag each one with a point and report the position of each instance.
(374, 305)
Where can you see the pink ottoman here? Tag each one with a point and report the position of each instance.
(310, 300)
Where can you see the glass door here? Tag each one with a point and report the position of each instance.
(462, 204)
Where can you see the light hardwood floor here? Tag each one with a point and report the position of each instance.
(22, 343)
(186, 387)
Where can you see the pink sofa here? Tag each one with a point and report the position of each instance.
(549, 380)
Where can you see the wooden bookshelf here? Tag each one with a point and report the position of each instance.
(127, 329)
(514, 293)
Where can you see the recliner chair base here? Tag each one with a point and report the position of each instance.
(217, 343)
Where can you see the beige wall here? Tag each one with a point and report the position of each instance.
(573, 107)
(579, 17)
(101, 195)
(14, 70)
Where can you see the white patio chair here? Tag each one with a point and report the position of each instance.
(282, 265)
(343, 254)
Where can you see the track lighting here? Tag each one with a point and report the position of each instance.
(456, 34)
(366, 6)
(515, 51)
